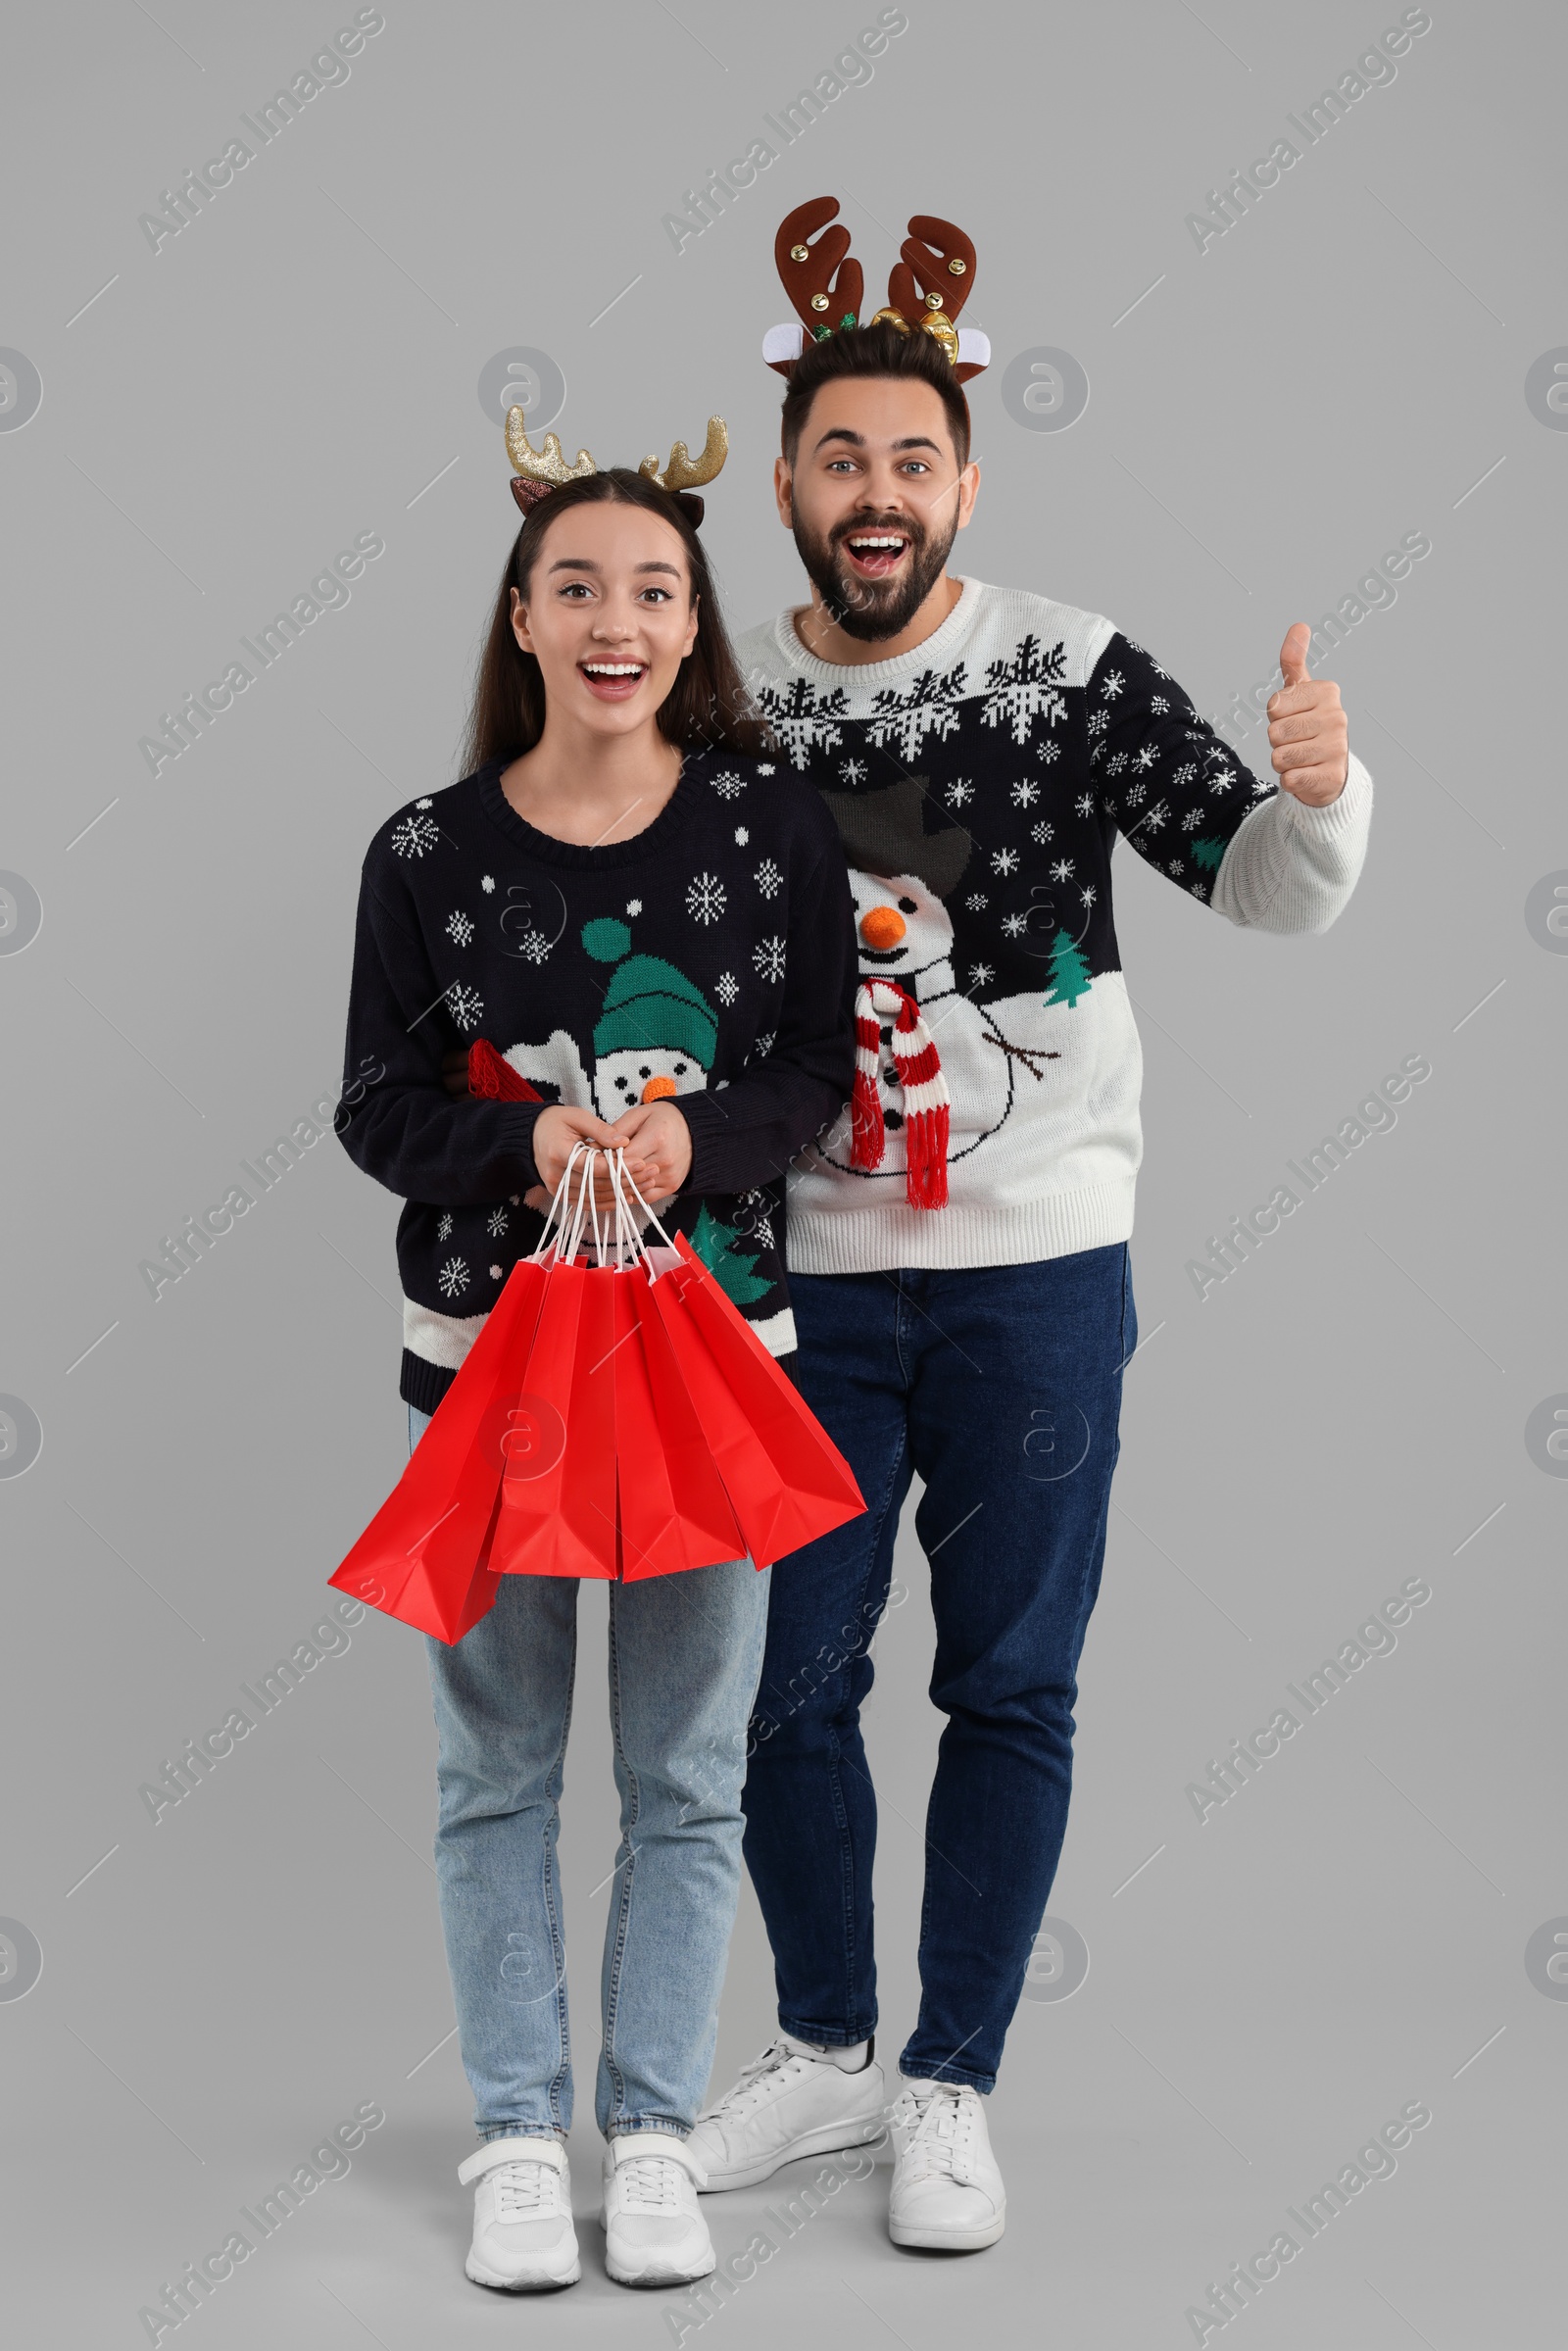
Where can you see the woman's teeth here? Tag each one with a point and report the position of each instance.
(613, 669)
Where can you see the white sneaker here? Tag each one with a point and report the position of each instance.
(792, 2100)
(653, 2232)
(946, 2189)
(523, 2239)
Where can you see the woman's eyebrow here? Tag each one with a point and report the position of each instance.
(572, 564)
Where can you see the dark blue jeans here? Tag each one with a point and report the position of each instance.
(1001, 1386)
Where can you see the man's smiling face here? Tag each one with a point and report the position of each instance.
(874, 497)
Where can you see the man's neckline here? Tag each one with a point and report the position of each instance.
(930, 649)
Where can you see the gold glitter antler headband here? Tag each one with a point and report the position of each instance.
(686, 473)
(536, 472)
(928, 287)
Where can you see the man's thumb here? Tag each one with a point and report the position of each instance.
(1293, 653)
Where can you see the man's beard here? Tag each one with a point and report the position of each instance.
(870, 610)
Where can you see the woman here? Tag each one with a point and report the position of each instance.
(652, 928)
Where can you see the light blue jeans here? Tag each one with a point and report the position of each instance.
(685, 1653)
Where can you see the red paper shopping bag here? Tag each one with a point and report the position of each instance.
(785, 1479)
(422, 1557)
(672, 1507)
(557, 1512)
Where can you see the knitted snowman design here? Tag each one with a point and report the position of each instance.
(655, 1036)
(974, 1053)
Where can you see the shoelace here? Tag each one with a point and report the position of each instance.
(942, 2124)
(756, 2080)
(651, 2183)
(525, 2190)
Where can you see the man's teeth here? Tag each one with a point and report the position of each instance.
(613, 669)
(871, 543)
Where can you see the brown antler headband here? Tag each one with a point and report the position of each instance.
(824, 286)
(928, 287)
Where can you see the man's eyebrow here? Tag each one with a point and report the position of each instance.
(841, 433)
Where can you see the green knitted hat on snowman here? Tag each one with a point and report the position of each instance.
(650, 1005)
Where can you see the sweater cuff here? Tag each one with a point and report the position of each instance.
(711, 1131)
(1336, 817)
(518, 1123)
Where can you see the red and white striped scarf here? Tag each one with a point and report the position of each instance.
(925, 1092)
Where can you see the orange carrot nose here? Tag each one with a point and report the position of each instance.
(659, 1090)
(882, 927)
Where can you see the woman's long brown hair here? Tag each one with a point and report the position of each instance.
(708, 703)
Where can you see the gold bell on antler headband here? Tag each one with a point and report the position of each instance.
(536, 472)
(929, 285)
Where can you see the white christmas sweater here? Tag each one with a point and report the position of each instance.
(979, 784)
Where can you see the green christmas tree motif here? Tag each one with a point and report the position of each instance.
(1208, 854)
(731, 1267)
(1069, 972)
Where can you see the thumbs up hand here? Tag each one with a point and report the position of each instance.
(1309, 737)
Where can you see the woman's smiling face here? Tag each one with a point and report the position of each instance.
(610, 616)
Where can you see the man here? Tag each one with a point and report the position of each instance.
(958, 1250)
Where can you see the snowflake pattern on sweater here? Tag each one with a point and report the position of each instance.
(980, 785)
(932, 705)
(1023, 692)
(802, 720)
(1149, 770)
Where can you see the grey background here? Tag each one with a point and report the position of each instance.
(297, 366)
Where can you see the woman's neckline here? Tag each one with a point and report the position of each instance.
(659, 787)
(670, 821)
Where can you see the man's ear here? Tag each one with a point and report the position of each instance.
(784, 491)
(968, 491)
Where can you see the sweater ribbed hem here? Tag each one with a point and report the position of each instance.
(1349, 812)
(423, 1384)
(880, 1239)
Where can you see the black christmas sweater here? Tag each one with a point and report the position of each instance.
(979, 784)
(711, 957)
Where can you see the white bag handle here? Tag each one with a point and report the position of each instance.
(562, 1212)
(619, 1179)
(627, 1242)
(579, 1212)
(569, 1211)
(553, 1210)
